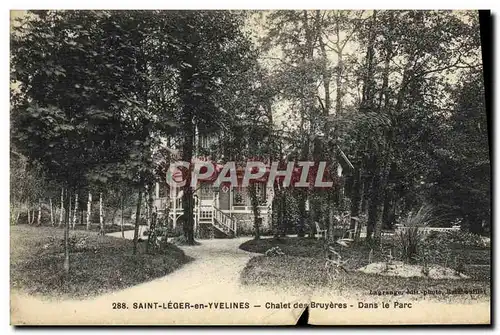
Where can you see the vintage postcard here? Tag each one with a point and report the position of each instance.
(217, 167)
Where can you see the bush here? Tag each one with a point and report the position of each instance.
(457, 239)
(76, 244)
(410, 237)
(181, 240)
(275, 252)
(159, 232)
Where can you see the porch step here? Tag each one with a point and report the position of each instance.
(223, 229)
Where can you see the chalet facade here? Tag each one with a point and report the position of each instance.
(224, 211)
(218, 211)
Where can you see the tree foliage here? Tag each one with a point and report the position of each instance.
(97, 96)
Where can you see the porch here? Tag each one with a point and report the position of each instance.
(217, 212)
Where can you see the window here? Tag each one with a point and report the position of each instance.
(163, 190)
(261, 193)
(239, 196)
(204, 142)
(206, 192)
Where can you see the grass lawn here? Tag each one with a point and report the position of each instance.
(102, 265)
(303, 265)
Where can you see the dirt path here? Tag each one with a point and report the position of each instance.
(216, 262)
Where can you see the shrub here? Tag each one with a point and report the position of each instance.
(459, 266)
(466, 239)
(76, 244)
(457, 238)
(274, 252)
(410, 237)
(181, 240)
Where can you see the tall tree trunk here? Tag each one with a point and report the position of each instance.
(101, 215)
(331, 217)
(326, 76)
(361, 184)
(137, 221)
(331, 194)
(146, 202)
(52, 222)
(365, 106)
(39, 219)
(340, 69)
(89, 210)
(121, 224)
(278, 214)
(475, 224)
(369, 79)
(254, 200)
(303, 194)
(66, 234)
(152, 237)
(191, 103)
(369, 171)
(283, 229)
(355, 196)
(61, 213)
(301, 225)
(374, 203)
(384, 177)
(365, 193)
(386, 212)
(113, 216)
(166, 214)
(29, 216)
(188, 222)
(311, 32)
(384, 91)
(149, 205)
(69, 209)
(75, 210)
(314, 213)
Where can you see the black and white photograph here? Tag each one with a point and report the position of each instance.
(250, 167)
